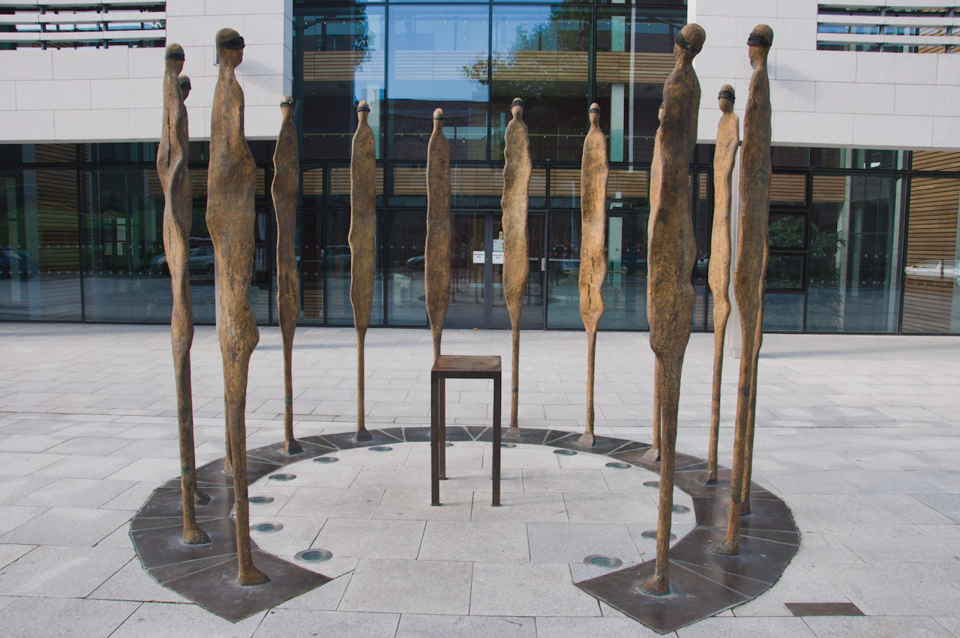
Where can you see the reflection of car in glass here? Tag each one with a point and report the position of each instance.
(702, 266)
(935, 269)
(199, 262)
(12, 261)
(338, 258)
(414, 266)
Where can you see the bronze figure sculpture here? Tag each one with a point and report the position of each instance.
(653, 454)
(593, 259)
(437, 253)
(750, 273)
(517, 170)
(231, 215)
(172, 156)
(724, 158)
(286, 185)
(362, 240)
(671, 253)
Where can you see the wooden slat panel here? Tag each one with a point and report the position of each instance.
(340, 180)
(829, 189)
(931, 234)
(464, 182)
(788, 189)
(339, 66)
(936, 161)
(312, 182)
(648, 68)
(57, 220)
(557, 66)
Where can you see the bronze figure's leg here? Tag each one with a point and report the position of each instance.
(517, 170)
(286, 183)
(172, 157)
(728, 141)
(231, 215)
(363, 249)
(752, 422)
(671, 252)
(751, 270)
(593, 259)
(656, 182)
(653, 454)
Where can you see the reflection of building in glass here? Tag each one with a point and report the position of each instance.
(861, 240)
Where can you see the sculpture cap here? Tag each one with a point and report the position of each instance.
(594, 108)
(438, 114)
(287, 101)
(691, 37)
(229, 39)
(185, 82)
(761, 36)
(727, 92)
(516, 102)
(363, 107)
(175, 52)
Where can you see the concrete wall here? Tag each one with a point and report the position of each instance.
(827, 98)
(87, 94)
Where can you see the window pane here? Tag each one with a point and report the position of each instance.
(785, 272)
(438, 58)
(788, 190)
(343, 63)
(540, 54)
(931, 301)
(786, 231)
(406, 295)
(337, 260)
(311, 264)
(852, 279)
(39, 246)
(782, 312)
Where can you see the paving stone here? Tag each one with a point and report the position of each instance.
(10, 552)
(528, 589)
(68, 526)
(572, 542)
(371, 539)
(183, 621)
(880, 627)
(410, 587)
(13, 516)
(417, 626)
(559, 627)
(62, 571)
(135, 584)
(31, 617)
(730, 627)
(72, 492)
(474, 541)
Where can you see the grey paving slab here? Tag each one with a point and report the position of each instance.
(68, 526)
(280, 623)
(522, 507)
(73, 492)
(869, 587)
(372, 539)
(31, 617)
(183, 621)
(528, 589)
(474, 541)
(878, 627)
(457, 505)
(554, 627)
(13, 516)
(730, 627)
(572, 542)
(11, 552)
(946, 504)
(21, 464)
(62, 571)
(325, 598)
(429, 587)
(425, 626)
(134, 584)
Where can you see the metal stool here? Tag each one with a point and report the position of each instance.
(460, 367)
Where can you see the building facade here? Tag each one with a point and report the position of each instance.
(864, 231)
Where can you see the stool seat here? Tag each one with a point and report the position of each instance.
(460, 367)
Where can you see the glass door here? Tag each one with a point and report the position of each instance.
(477, 297)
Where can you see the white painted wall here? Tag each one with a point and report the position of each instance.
(827, 98)
(82, 95)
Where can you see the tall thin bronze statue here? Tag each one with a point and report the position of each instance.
(653, 454)
(515, 203)
(286, 185)
(362, 239)
(172, 157)
(671, 254)
(231, 214)
(437, 253)
(750, 273)
(593, 259)
(724, 158)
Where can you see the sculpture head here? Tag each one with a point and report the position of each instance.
(689, 42)
(174, 58)
(760, 41)
(438, 119)
(185, 87)
(286, 107)
(594, 114)
(727, 97)
(516, 108)
(229, 48)
(363, 111)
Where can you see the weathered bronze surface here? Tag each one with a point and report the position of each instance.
(653, 454)
(517, 170)
(593, 258)
(231, 214)
(286, 185)
(437, 254)
(728, 142)
(362, 239)
(172, 157)
(749, 274)
(670, 254)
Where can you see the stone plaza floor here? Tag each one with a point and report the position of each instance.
(860, 436)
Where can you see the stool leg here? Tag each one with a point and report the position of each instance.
(496, 441)
(442, 411)
(434, 441)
